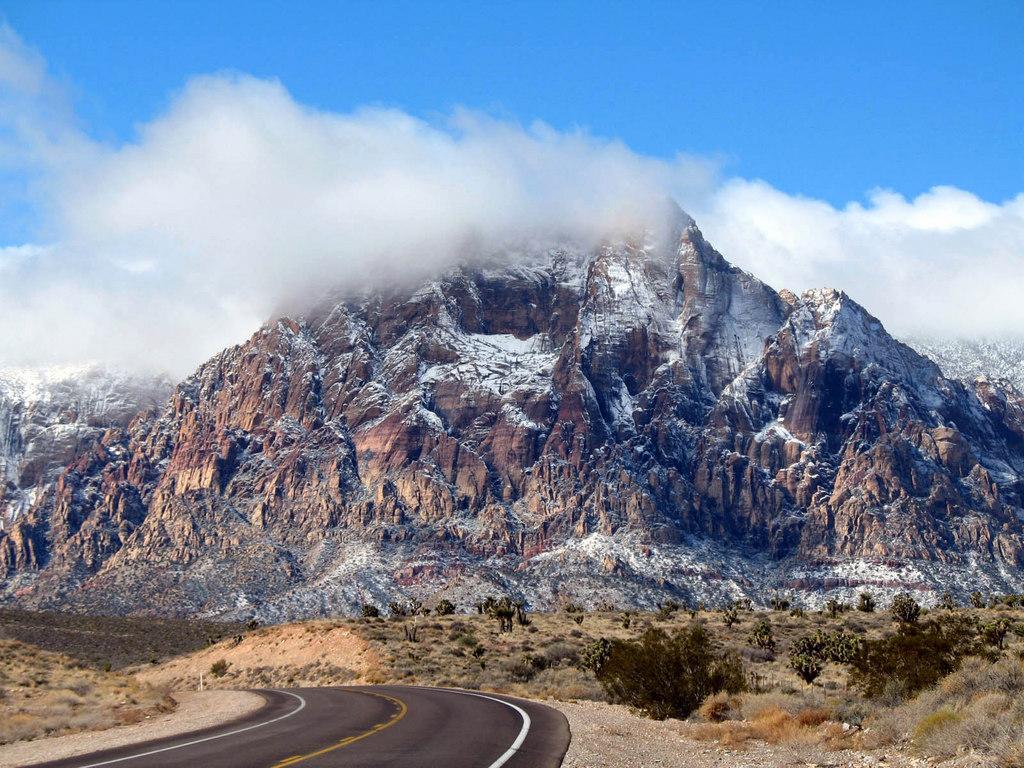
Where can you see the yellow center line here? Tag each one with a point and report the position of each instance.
(402, 709)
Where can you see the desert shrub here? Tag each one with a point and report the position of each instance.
(980, 707)
(866, 602)
(977, 599)
(761, 636)
(595, 654)
(558, 654)
(947, 602)
(719, 707)
(730, 615)
(444, 607)
(219, 668)
(565, 683)
(370, 611)
(666, 675)
(914, 657)
(905, 609)
(773, 718)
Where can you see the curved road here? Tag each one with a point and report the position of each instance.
(380, 726)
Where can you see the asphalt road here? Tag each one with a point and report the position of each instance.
(381, 726)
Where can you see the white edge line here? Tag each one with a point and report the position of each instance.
(302, 705)
(522, 731)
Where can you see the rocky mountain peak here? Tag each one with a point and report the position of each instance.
(623, 422)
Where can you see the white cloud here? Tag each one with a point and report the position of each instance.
(238, 198)
(944, 263)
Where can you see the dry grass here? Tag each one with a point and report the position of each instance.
(802, 718)
(979, 709)
(44, 693)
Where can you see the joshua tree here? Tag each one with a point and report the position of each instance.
(761, 636)
(444, 607)
(905, 609)
(994, 632)
(779, 603)
(833, 608)
(807, 667)
(866, 602)
(501, 610)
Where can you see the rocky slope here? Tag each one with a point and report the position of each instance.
(616, 424)
(970, 359)
(50, 416)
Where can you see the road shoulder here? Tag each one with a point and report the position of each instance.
(195, 711)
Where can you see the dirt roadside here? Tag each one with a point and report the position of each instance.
(195, 711)
(610, 736)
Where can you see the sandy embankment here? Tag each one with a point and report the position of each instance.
(287, 655)
(194, 712)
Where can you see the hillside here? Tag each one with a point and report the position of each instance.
(46, 693)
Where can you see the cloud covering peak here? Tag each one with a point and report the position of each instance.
(160, 251)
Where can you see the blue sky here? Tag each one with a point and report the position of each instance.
(825, 99)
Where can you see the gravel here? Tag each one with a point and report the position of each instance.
(609, 736)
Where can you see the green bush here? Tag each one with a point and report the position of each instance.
(914, 657)
(866, 602)
(219, 668)
(666, 675)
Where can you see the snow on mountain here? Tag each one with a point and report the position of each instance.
(619, 423)
(48, 416)
(969, 359)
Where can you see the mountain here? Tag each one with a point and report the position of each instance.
(969, 359)
(51, 415)
(617, 424)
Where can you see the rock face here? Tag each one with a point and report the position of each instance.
(50, 416)
(610, 425)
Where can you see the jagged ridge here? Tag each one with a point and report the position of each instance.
(622, 424)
